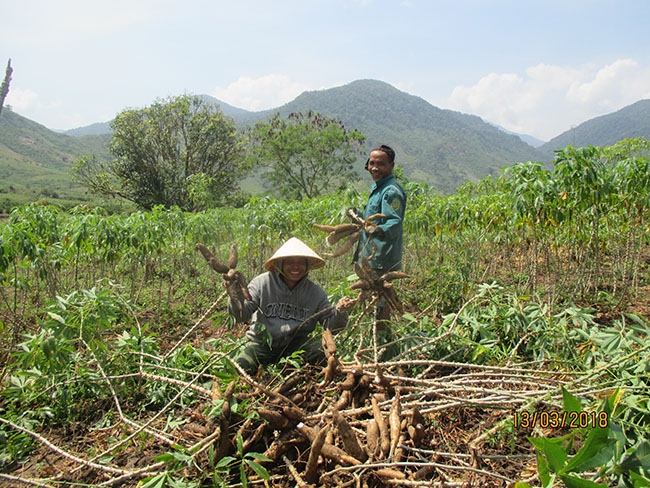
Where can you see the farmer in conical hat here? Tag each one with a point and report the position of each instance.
(285, 308)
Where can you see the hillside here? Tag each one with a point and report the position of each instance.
(440, 147)
(35, 162)
(630, 121)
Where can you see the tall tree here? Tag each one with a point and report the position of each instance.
(4, 88)
(181, 151)
(306, 155)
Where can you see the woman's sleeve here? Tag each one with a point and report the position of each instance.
(334, 320)
(243, 315)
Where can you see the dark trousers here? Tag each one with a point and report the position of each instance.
(255, 354)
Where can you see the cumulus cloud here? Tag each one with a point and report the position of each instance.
(621, 80)
(22, 100)
(27, 103)
(544, 97)
(262, 93)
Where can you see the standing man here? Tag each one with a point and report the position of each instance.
(382, 245)
(387, 197)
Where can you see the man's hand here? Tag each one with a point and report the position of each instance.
(373, 229)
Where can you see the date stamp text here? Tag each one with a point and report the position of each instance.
(553, 420)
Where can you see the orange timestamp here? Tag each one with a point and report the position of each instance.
(553, 419)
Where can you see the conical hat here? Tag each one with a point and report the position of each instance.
(295, 248)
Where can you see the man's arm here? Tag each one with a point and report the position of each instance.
(392, 206)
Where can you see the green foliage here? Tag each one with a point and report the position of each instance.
(178, 152)
(502, 271)
(240, 464)
(73, 333)
(504, 326)
(593, 453)
(307, 155)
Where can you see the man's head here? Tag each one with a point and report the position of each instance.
(381, 162)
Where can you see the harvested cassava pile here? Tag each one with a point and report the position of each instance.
(353, 422)
(375, 425)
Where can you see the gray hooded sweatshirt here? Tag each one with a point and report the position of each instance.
(280, 312)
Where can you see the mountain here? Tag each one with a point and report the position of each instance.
(441, 147)
(105, 127)
(35, 162)
(97, 128)
(530, 140)
(628, 122)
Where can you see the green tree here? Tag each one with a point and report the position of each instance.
(306, 155)
(181, 151)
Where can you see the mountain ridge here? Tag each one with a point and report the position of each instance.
(440, 147)
(630, 121)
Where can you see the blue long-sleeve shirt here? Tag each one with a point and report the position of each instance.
(389, 198)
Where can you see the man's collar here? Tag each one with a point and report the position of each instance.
(383, 181)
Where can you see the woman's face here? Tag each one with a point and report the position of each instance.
(293, 270)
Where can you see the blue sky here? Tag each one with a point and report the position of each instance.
(534, 67)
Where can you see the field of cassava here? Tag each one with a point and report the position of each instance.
(521, 355)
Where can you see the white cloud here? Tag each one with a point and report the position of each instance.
(22, 100)
(543, 98)
(28, 104)
(621, 81)
(262, 93)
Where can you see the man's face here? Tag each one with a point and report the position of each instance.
(379, 165)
